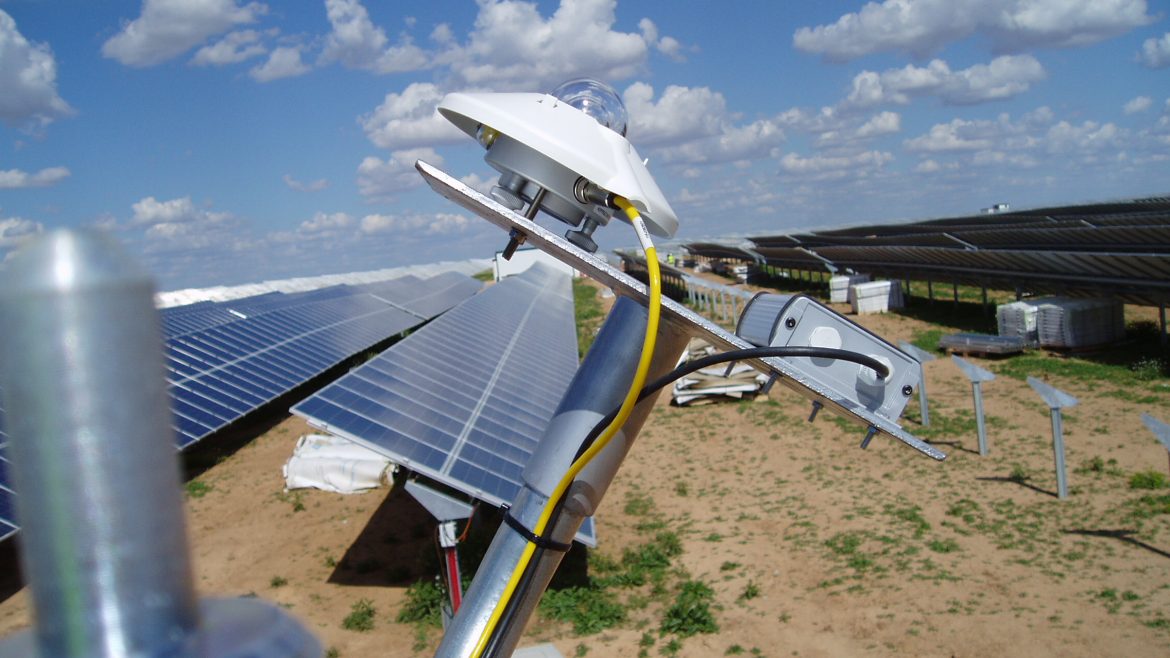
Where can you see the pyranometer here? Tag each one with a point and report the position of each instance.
(564, 153)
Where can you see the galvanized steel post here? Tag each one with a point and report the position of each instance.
(104, 546)
(598, 387)
(1056, 400)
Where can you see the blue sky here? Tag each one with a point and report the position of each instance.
(228, 141)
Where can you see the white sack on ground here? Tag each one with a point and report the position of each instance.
(337, 465)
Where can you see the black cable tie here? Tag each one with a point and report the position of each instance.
(541, 542)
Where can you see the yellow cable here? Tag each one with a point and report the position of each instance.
(639, 380)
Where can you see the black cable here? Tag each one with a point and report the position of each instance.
(687, 368)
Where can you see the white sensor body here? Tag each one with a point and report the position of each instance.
(570, 138)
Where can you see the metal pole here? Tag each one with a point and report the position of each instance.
(596, 389)
(1058, 453)
(923, 405)
(979, 419)
(104, 546)
(723, 304)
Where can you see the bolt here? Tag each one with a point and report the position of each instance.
(869, 434)
(790, 323)
(907, 390)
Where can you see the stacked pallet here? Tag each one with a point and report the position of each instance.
(1063, 322)
(1018, 319)
(839, 286)
(1073, 323)
(875, 297)
(715, 383)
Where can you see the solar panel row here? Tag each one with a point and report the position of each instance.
(466, 399)
(224, 360)
(1120, 249)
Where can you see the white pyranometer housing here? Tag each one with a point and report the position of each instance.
(560, 159)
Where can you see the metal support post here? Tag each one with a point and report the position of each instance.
(1058, 454)
(977, 376)
(1056, 400)
(598, 387)
(104, 546)
(723, 304)
(449, 542)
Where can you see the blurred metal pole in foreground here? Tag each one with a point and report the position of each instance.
(103, 539)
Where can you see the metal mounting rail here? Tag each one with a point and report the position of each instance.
(673, 312)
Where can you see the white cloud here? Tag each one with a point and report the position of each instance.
(480, 184)
(383, 180)
(513, 46)
(922, 27)
(668, 46)
(692, 125)
(168, 28)
(14, 231)
(234, 48)
(822, 167)
(1004, 77)
(1089, 136)
(152, 212)
(1138, 104)
(1156, 52)
(357, 43)
(679, 114)
(1004, 160)
(15, 178)
(958, 135)
(326, 223)
(28, 78)
(299, 186)
(885, 123)
(437, 224)
(409, 119)
(284, 62)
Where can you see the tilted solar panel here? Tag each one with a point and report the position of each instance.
(222, 372)
(465, 399)
(7, 501)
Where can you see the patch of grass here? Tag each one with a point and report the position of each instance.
(691, 611)
(943, 545)
(750, 591)
(588, 314)
(1098, 466)
(1150, 505)
(927, 339)
(1148, 480)
(360, 617)
(589, 609)
(278, 581)
(424, 604)
(639, 504)
(197, 489)
(729, 566)
(333, 652)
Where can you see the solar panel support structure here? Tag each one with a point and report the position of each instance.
(977, 376)
(1056, 400)
(1161, 430)
(97, 477)
(598, 387)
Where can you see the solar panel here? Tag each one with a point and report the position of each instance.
(465, 399)
(277, 342)
(8, 525)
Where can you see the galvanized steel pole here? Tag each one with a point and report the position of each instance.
(598, 387)
(104, 546)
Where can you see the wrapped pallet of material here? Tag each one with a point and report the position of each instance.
(875, 297)
(334, 464)
(1073, 323)
(839, 286)
(1019, 319)
(714, 383)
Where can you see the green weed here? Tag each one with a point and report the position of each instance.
(424, 604)
(691, 611)
(1148, 480)
(360, 617)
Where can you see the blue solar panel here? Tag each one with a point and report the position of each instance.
(466, 399)
(276, 342)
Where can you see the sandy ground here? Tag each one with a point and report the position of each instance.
(848, 552)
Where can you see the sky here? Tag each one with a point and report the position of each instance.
(228, 141)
